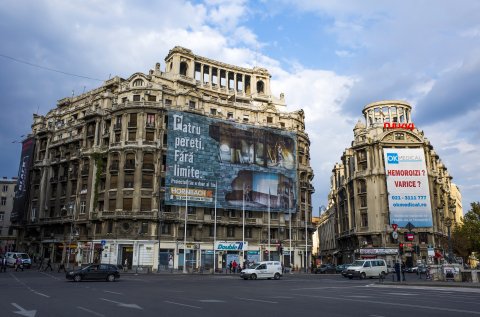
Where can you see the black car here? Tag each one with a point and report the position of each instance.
(325, 268)
(107, 272)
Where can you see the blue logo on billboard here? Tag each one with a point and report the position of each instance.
(392, 158)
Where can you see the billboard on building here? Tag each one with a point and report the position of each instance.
(408, 188)
(249, 166)
(21, 191)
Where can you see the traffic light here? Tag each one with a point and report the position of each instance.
(400, 248)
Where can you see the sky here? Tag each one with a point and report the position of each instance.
(330, 58)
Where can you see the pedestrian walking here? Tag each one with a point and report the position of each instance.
(49, 265)
(3, 264)
(40, 264)
(125, 265)
(62, 267)
(234, 266)
(230, 265)
(18, 264)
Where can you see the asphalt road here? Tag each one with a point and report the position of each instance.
(33, 293)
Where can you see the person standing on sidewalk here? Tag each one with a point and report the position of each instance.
(49, 265)
(3, 264)
(397, 271)
(403, 271)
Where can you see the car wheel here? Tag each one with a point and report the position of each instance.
(363, 276)
(254, 276)
(111, 278)
(276, 276)
(77, 278)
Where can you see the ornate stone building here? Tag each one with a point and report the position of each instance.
(98, 180)
(7, 232)
(362, 201)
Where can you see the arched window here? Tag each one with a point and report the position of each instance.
(260, 87)
(183, 68)
(137, 83)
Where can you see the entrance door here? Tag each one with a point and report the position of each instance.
(127, 254)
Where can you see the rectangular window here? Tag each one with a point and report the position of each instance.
(229, 115)
(136, 97)
(2, 215)
(230, 232)
(113, 181)
(269, 120)
(211, 231)
(191, 105)
(213, 112)
(110, 226)
(152, 98)
(98, 228)
(192, 210)
(248, 232)
(364, 219)
(165, 228)
(5, 188)
(127, 204)
(168, 102)
(245, 118)
(147, 181)
(189, 231)
(132, 135)
(150, 120)
(128, 181)
(83, 207)
(150, 136)
(144, 228)
(112, 204)
(146, 204)
(4, 201)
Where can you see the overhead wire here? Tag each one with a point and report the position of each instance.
(48, 68)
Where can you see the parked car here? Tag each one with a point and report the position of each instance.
(107, 272)
(344, 271)
(265, 269)
(339, 268)
(12, 259)
(367, 268)
(324, 269)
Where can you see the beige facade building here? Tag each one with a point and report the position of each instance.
(366, 199)
(98, 187)
(7, 232)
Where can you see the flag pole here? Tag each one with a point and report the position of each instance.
(185, 232)
(215, 230)
(243, 226)
(269, 223)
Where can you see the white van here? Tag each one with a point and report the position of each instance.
(265, 269)
(367, 268)
(12, 259)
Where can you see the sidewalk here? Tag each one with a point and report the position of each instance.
(423, 282)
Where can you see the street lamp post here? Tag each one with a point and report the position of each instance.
(448, 224)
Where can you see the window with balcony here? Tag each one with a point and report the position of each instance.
(112, 204)
(113, 181)
(150, 120)
(83, 207)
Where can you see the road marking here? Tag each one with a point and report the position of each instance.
(22, 311)
(394, 304)
(116, 293)
(358, 296)
(90, 311)
(211, 301)
(403, 294)
(28, 287)
(185, 305)
(257, 300)
(122, 304)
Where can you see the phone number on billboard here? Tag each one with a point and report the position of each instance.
(407, 197)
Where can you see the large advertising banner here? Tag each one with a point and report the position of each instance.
(20, 201)
(249, 166)
(408, 189)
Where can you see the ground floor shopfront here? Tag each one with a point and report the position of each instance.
(151, 255)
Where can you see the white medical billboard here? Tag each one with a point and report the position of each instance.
(407, 185)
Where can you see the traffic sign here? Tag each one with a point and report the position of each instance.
(103, 242)
(395, 235)
(394, 226)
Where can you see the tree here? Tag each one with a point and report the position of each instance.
(466, 236)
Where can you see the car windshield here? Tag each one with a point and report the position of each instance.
(358, 263)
